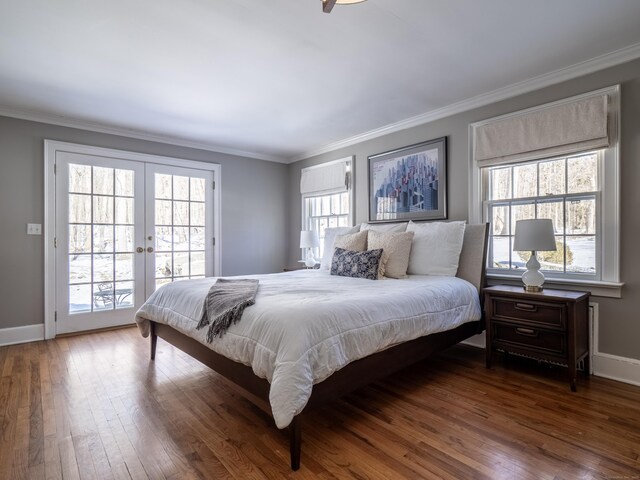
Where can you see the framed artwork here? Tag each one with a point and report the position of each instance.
(409, 183)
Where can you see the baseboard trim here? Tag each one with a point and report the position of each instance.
(622, 369)
(15, 335)
(478, 341)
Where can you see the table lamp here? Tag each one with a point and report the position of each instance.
(534, 235)
(309, 240)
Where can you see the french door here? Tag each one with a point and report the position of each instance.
(123, 229)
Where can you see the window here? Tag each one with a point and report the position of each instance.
(566, 190)
(326, 211)
(326, 197)
(524, 165)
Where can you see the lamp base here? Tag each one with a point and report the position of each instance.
(532, 288)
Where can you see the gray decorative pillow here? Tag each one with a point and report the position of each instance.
(347, 263)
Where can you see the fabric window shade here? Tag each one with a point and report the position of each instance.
(331, 178)
(556, 130)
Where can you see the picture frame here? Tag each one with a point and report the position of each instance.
(409, 183)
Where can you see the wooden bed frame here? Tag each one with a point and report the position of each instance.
(360, 372)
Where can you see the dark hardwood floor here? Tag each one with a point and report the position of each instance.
(95, 407)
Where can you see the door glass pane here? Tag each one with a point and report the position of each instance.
(102, 209)
(180, 238)
(79, 268)
(163, 212)
(124, 294)
(124, 238)
(180, 233)
(181, 213)
(103, 181)
(103, 238)
(197, 190)
(102, 268)
(180, 188)
(124, 266)
(79, 178)
(124, 211)
(94, 238)
(79, 298)
(79, 208)
(79, 238)
(181, 264)
(164, 239)
(197, 213)
(124, 183)
(163, 186)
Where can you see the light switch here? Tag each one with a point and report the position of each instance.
(34, 229)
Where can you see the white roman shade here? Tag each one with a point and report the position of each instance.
(561, 128)
(327, 178)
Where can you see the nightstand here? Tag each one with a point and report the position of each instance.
(551, 325)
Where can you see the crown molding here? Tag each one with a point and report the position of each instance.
(64, 121)
(601, 62)
(595, 64)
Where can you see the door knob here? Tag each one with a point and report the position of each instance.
(149, 249)
(139, 249)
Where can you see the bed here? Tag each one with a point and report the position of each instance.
(312, 337)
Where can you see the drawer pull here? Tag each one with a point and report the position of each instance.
(526, 307)
(529, 332)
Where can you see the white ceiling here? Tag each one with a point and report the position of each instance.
(279, 79)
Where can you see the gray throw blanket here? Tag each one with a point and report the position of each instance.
(225, 303)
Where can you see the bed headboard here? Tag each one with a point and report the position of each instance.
(473, 257)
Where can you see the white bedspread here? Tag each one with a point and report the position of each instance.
(307, 324)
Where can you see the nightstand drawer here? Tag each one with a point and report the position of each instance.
(534, 339)
(548, 314)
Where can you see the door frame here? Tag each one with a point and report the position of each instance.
(51, 148)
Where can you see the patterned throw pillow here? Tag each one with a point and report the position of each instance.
(347, 263)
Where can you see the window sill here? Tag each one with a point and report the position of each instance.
(597, 288)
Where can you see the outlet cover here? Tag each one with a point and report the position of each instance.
(34, 229)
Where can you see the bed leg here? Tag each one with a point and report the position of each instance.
(154, 340)
(295, 440)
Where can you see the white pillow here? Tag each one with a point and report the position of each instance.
(436, 248)
(384, 227)
(329, 237)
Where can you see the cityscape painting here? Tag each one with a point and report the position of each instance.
(409, 183)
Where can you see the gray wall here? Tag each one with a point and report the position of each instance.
(619, 318)
(254, 210)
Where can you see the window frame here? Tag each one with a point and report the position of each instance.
(608, 235)
(565, 198)
(350, 161)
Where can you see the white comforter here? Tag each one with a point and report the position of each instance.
(307, 324)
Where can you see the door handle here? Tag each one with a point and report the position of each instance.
(139, 249)
(149, 249)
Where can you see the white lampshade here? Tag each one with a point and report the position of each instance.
(309, 239)
(534, 235)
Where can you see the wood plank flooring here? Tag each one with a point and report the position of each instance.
(95, 407)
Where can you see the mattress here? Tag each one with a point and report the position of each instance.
(307, 324)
